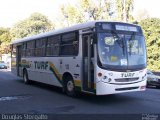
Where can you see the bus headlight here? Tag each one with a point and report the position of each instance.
(103, 78)
(106, 79)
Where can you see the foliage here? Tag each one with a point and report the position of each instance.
(5, 39)
(124, 10)
(71, 15)
(86, 10)
(151, 28)
(35, 24)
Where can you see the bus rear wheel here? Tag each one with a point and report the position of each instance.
(69, 87)
(25, 77)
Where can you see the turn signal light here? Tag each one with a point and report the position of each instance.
(143, 87)
(99, 74)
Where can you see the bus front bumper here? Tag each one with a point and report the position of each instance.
(108, 88)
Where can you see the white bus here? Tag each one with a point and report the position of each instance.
(96, 57)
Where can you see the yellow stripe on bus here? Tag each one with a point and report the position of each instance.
(77, 82)
(55, 70)
(94, 85)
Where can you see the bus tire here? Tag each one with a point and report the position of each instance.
(69, 86)
(25, 77)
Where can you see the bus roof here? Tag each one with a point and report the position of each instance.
(59, 31)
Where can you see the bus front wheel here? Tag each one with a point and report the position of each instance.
(69, 86)
(25, 77)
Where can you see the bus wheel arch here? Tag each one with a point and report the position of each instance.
(68, 84)
(25, 76)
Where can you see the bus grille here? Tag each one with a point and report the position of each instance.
(128, 88)
(126, 79)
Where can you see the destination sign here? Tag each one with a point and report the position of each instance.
(121, 27)
(126, 28)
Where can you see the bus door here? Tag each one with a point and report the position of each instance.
(88, 65)
(18, 61)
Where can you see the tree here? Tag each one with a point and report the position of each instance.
(124, 9)
(151, 28)
(5, 39)
(71, 15)
(35, 24)
(86, 10)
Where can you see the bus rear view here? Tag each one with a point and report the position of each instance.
(121, 58)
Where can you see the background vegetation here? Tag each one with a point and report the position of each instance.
(151, 29)
(87, 10)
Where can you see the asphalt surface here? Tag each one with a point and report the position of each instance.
(17, 97)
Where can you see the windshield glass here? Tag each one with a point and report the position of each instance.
(121, 51)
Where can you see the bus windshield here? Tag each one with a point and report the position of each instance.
(121, 51)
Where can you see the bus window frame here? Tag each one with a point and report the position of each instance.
(76, 37)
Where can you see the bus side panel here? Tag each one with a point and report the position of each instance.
(44, 77)
(50, 70)
(40, 69)
(72, 66)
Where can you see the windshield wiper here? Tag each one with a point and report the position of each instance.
(131, 44)
(120, 41)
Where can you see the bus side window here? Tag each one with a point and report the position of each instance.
(53, 45)
(24, 49)
(40, 47)
(30, 48)
(69, 44)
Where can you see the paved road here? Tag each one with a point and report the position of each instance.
(16, 97)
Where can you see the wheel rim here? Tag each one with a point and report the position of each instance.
(70, 86)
